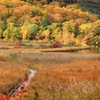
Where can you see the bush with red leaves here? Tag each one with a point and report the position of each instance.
(56, 44)
(39, 38)
(3, 97)
(17, 47)
(26, 79)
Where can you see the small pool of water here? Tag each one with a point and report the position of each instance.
(90, 50)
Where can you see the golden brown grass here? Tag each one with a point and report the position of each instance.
(81, 70)
(9, 77)
(10, 73)
(54, 76)
(53, 70)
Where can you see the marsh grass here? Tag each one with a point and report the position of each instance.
(10, 72)
(9, 77)
(29, 58)
(49, 89)
(14, 65)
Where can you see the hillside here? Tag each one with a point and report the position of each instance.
(42, 22)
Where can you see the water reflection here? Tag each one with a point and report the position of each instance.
(90, 50)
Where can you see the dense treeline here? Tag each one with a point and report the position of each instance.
(92, 6)
(48, 1)
(69, 25)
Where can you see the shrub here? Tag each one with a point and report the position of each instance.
(56, 44)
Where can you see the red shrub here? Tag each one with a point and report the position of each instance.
(3, 97)
(17, 47)
(56, 44)
(39, 37)
(26, 79)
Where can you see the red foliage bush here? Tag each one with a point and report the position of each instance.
(17, 47)
(39, 37)
(56, 44)
(26, 79)
(3, 97)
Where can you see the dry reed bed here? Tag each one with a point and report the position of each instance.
(10, 73)
(53, 68)
(79, 80)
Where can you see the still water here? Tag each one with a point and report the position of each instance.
(90, 50)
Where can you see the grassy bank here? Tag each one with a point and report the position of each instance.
(42, 47)
(65, 49)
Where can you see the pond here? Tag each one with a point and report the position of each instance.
(91, 50)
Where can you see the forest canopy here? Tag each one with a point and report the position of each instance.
(66, 21)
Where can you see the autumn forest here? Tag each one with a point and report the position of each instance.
(49, 49)
(60, 21)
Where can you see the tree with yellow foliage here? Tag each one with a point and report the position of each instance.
(11, 33)
(46, 34)
(29, 31)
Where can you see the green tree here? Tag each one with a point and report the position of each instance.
(3, 27)
(32, 31)
(76, 30)
(44, 22)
